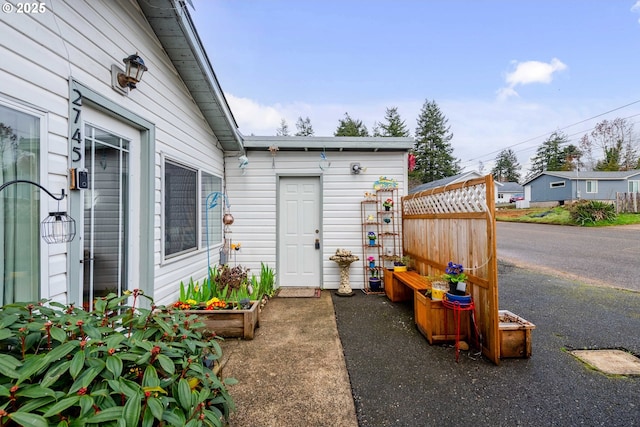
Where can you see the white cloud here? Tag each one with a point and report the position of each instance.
(263, 120)
(529, 72)
(636, 8)
(253, 117)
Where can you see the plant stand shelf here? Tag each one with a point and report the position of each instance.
(385, 223)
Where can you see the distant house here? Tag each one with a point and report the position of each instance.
(507, 190)
(556, 186)
(461, 177)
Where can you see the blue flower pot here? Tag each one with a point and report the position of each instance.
(462, 299)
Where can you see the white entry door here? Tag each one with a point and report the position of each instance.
(299, 262)
(109, 223)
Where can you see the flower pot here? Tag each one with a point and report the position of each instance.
(372, 264)
(372, 242)
(387, 208)
(374, 283)
(457, 288)
(438, 289)
(461, 299)
(398, 268)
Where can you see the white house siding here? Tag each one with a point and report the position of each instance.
(253, 203)
(83, 39)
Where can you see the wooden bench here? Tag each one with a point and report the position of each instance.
(400, 285)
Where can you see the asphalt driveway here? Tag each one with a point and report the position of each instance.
(398, 379)
(603, 256)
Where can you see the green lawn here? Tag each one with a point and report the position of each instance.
(558, 215)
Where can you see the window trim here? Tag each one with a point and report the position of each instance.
(557, 184)
(593, 183)
(200, 242)
(636, 184)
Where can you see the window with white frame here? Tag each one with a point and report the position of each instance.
(634, 186)
(557, 184)
(212, 207)
(180, 209)
(592, 186)
(20, 147)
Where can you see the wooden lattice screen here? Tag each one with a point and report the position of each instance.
(456, 223)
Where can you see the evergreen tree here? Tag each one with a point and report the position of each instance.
(554, 155)
(611, 161)
(433, 150)
(304, 127)
(507, 167)
(351, 127)
(392, 126)
(283, 130)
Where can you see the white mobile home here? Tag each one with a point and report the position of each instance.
(152, 154)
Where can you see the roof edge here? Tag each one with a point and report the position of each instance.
(305, 143)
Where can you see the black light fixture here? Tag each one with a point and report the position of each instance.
(58, 227)
(133, 73)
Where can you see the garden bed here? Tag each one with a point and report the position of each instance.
(231, 323)
(515, 335)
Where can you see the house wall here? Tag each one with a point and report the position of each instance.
(574, 189)
(541, 190)
(607, 189)
(82, 40)
(253, 203)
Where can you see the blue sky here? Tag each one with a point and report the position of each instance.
(505, 73)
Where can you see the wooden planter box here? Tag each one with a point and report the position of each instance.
(395, 290)
(515, 335)
(430, 317)
(231, 323)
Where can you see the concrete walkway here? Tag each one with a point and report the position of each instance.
(293, 372)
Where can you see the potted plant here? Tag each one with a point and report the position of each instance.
(455, 276)
(372, 238)
(374, 281)
(401, 263)
(372, 262)
(387, 204)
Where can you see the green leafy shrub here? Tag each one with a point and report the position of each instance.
(115, 366)
(592, 211)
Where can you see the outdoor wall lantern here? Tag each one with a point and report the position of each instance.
(58, 227)
(135, 68)
(356, 168)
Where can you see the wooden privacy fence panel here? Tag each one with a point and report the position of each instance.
(456, 223)
(627, 202)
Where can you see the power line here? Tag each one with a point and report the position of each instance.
(479, 158)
